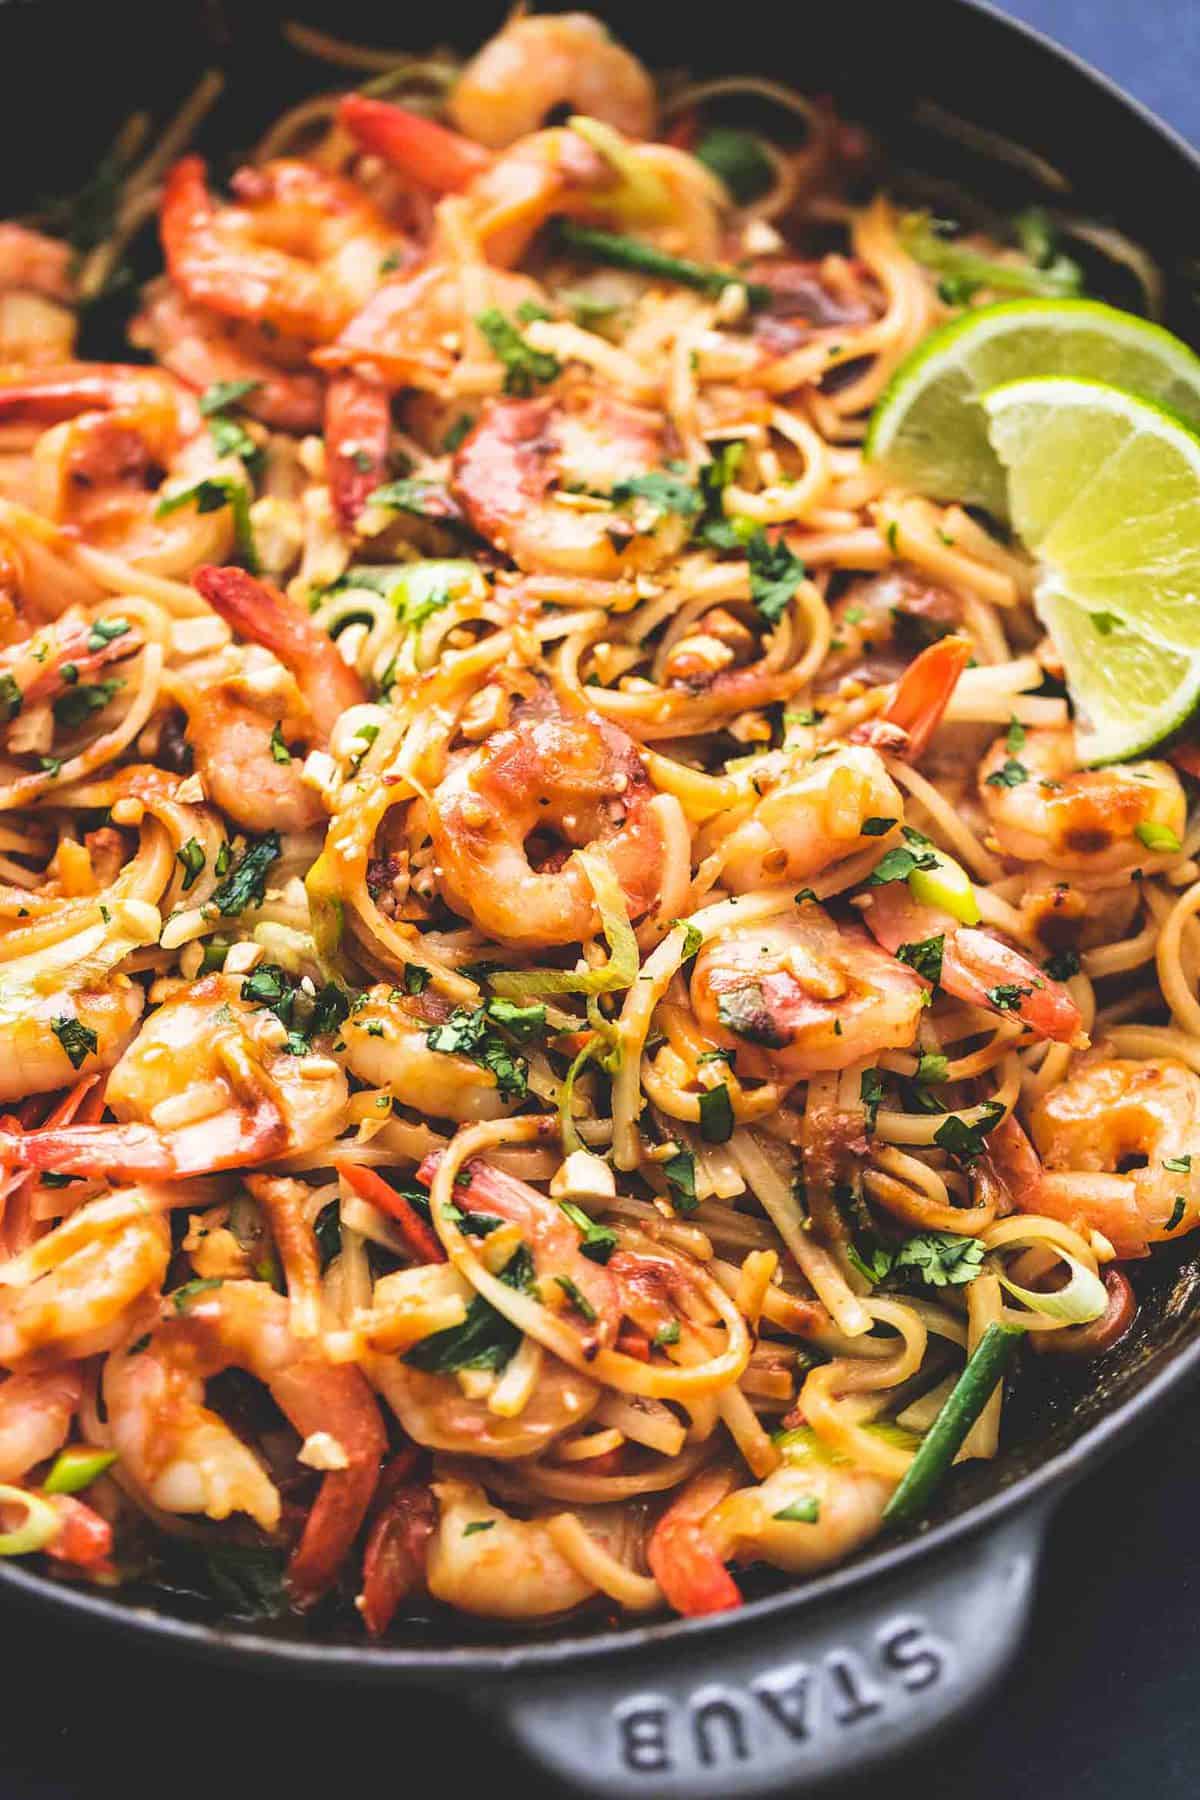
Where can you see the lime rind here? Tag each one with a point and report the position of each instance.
(928, 431)
(1129, 693)
(1090, 465)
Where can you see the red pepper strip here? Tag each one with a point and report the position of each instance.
(419, 1239)
(424, 151)
(634, 1343)
(85, 1540)
(397, 1541)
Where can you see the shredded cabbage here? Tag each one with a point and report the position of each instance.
(620, 971)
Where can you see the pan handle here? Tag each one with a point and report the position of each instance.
(790, 1702)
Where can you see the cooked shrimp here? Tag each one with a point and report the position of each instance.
(813, 819)
(242, 734)
(202, 348)
(536, 65)
(403, 1520)
(114, 429)
(835, 1508)
(797, 996)
(513, 475)
(1051, 811)
(299, 249)
(358, 424)
(61, 656)
(918, 700)
(683, 1559)
(485, 1562)
(35, 332)
(977, 966)
(65, 1005)
(550, 1238)
(881, 621)
(209, 1083)
(186, 1459)
(36, 1410)
(549, 771)
(435, 1412)
(74, 1292)
(387, 1047)
(1120, 1141)
(31, 262)
(409, 334)
(420, 148)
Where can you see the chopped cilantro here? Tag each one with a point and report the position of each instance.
(966, 1141)
(680, 1171)
(212, 495)
(247, 881)
(77, 1039)
(192, 858)
(1062, 965)
(525, 368)
(716, 1115)
(925, 957)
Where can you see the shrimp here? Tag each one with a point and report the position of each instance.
(113, 430)
(74, 1292)
(301, 250)
(37, 288)
(976, 966)
(794, 997)
(41, 668)
(358, 426)
(550, 1238)
(32, 263)
(435, 1412)
(485, 1562)
(409, 334)
(387, 1047)
(687, 1566)
(397, 1548)
(203, 349)
(834, 1508)
(813, 819)
(536, 65)
(36, 1410)
(574, 775)
(238, 731)
(420, 148)
(513, 472)
(186, 1459)
(208, 1083)
(65, 1005)
(918, 700)
(1120, 1143)
(1049, 810)
(881, 621)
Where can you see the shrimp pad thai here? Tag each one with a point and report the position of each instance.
(586, 974)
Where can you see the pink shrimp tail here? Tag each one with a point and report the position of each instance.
(258, 612)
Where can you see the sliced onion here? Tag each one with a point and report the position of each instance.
(42, 1522)
(1083, 1299)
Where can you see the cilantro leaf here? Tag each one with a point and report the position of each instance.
(77, 1039)
(525, 368)
(246, 883)
(924, 958)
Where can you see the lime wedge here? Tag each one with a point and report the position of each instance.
(929, 433)
(1104, 489)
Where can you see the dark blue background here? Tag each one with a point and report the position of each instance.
(1104, 1700)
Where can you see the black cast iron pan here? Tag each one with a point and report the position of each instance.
(806, 1682)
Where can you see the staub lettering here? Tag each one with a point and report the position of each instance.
(720, 1725)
